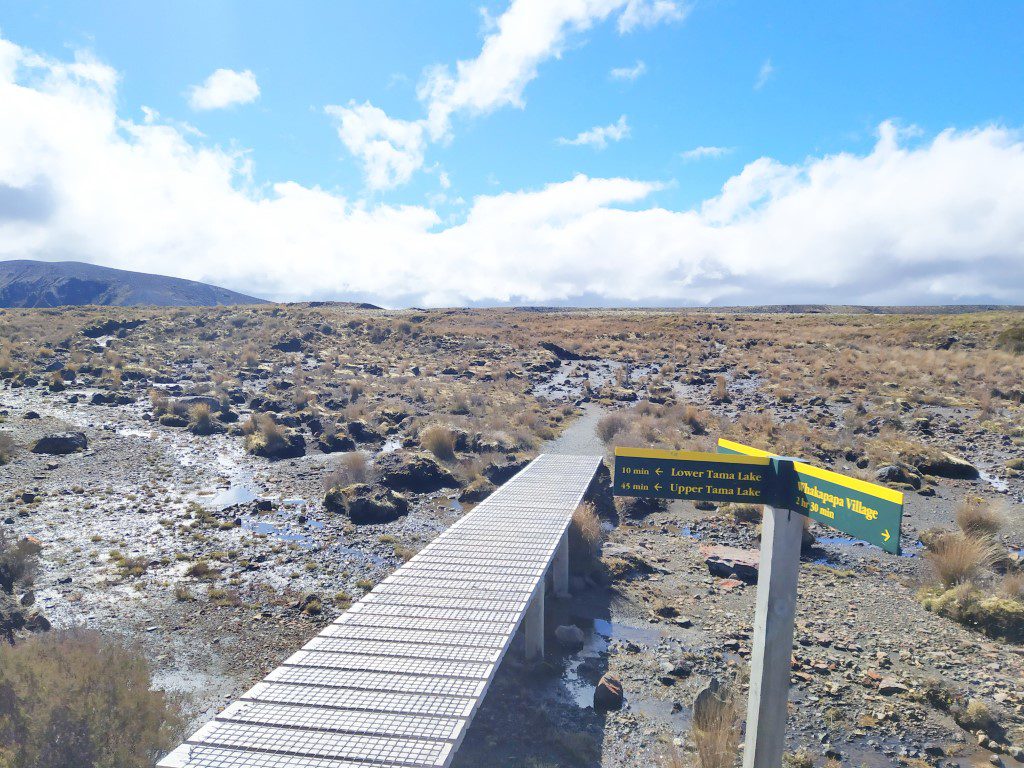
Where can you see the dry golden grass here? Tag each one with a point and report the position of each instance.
(716, 730)
(439, 440)
(1013, 586)
(958, 558)
(978, 517)
(351, 468)
(585, 536)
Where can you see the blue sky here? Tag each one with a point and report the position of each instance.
(771, 91)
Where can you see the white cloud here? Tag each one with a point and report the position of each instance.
(648, 13)
(527, 34)
(390, 150)
(599, 136)
(699, 153)
(224, 88)
(764, 74)
(628, 73)
(923, 220)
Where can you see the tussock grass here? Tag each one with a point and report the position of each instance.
(978, 518)
(610, 425)
(585, 536)
(958, 558)
(351, 468)
(716, 730)
(440, 441)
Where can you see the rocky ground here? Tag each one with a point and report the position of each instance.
(221, 562)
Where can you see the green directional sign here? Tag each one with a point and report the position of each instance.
(693, 476)
(866, 511)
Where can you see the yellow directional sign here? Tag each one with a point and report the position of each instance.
(864, 510)
(692, 475)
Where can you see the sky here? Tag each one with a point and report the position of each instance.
(546, 152)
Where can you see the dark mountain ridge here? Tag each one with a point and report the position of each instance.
(25, 283)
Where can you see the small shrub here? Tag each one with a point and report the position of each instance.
(18, 562)
(7, 447)
(585, 536)
(201, 569)
(957, 558)
(996, 616)
(201, 418)
(439, 440)
(81, 700)
(610, 425)
(976, 716)
(978, 518)
(1012, 339)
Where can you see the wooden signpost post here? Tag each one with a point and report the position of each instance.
(790, 490)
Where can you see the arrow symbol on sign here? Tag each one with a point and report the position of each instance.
(657, 486)
(657, 471)
(886, 535)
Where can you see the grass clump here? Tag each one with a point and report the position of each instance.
(978, 518)
(716, 728)
(994, 615)
(81, 700)
(957, 558)
(1012, 339)
(585, 537)
(440, 441)
(351, 468)
(610, 425)
(18, 562)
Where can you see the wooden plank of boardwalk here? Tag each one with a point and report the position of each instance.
(396, 680)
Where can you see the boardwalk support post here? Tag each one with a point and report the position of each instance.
(772, 655)
(533, 625)
(560, 568)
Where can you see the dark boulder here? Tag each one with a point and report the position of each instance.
(362, 432)
(366, 505)
(499, 472)
(293, 344)
(288, 444)
(403, 471)
(335, 443)
(110, 327)
(732, 562)
(61, 444)
(608, 693)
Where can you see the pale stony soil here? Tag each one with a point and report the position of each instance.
(171, 498)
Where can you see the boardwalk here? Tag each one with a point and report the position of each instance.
(396, 680)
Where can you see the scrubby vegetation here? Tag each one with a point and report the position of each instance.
(967, 589)
(585, 537)
(80, 700)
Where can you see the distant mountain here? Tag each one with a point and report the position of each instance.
(26, 283)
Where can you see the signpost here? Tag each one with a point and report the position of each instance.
(863, 510)
(692, 475)
(790, 490)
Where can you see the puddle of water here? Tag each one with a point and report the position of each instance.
(456, 505)
(582, 667)
(132, 432)
(998, 483)
(284, 527)
(391, 444)
(233, 494)
(359, 555)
